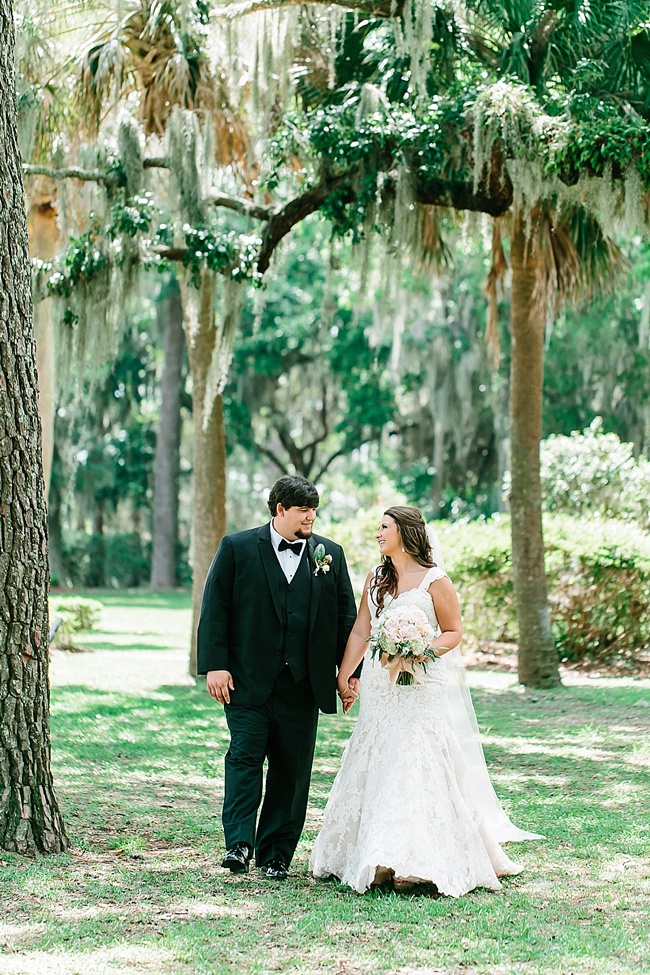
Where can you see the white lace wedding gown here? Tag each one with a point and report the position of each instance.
(405, 801)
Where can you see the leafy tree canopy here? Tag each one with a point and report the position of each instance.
(481, 105)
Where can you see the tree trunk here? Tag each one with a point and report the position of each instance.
(96, 576)
(644, 343)
(538, 665)
(55, 527)
(98, 518)
(169, 310)
(499, 400)
(209, 502)
(44, 233)
(29, 816)
(438, 464)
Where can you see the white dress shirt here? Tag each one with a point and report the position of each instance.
(289, 562)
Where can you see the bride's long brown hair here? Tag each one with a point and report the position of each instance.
(415, 542)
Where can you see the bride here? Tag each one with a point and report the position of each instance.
(412, 802)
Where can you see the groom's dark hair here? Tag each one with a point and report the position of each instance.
(292, 490)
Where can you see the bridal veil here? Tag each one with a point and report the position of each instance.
(462, 719)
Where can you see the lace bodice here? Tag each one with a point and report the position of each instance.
(418, 596)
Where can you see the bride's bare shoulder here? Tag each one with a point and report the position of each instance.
(369, 579)
(442, 588)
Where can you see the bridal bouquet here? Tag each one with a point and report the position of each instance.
(403, 643)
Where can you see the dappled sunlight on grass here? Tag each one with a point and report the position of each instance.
(183, 909)
(139, 621)
(138, 761)
(19, 935)
(516, 747)
(136, 960)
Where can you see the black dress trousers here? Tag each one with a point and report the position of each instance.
(284, 731)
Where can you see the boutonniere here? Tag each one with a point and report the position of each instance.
(321, 560)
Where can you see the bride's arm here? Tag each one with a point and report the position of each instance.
(445, 603)
(357, 643)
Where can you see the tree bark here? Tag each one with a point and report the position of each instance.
(209, 502)
(30, 821)
(538, 664)
(169, 310)
(371, 8)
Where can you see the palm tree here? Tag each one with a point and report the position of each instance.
(515, 78)
(152, 50)
(552, 261)
(555, 254)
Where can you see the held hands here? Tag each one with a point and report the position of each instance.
(220, 684)
(348, 691)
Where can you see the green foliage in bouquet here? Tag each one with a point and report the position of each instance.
(404, 637)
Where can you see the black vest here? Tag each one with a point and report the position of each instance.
(295, 597)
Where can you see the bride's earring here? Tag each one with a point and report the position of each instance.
(402, 548)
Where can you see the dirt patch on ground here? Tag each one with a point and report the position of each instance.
(502, 658)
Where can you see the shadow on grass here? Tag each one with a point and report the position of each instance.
(139, 778)
(116, 645)
(133, 599)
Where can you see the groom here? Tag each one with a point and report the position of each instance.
(276, 613)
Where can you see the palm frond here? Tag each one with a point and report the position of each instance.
(576, 259)
(601, 259)
(154, 46)
(495, 280)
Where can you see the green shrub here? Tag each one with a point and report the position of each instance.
(598, 573)
(478, 558)
(599, 589)
(77, 615)
(119, 561)
(594, 473)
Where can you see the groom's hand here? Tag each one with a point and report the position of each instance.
(220, 685)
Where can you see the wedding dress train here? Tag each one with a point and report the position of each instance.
(410, 800)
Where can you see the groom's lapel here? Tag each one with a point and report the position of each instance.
(271, 565)
(315, 588)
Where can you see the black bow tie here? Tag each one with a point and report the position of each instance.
(296, 547)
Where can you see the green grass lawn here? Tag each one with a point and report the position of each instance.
(138, 758)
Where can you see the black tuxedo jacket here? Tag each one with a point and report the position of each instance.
(241, 628)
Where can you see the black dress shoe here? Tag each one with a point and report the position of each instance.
(238, 858)
(275, 869)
